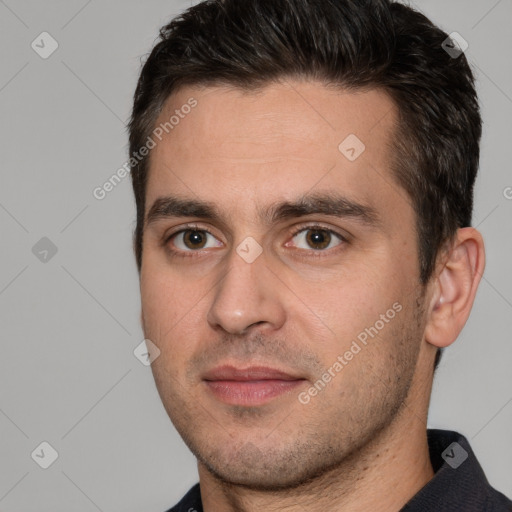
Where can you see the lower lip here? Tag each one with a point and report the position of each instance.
(254, 392)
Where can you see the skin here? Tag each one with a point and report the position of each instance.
(297, 307)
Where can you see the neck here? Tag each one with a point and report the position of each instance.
(383, 475)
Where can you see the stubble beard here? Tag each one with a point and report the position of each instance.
(335, 441)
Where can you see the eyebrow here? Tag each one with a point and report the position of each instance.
(324, 204)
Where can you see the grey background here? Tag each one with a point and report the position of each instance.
(68, 375)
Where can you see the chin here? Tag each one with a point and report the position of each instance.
(264, 470)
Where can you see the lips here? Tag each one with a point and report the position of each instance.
(255, 385)
(248, 374)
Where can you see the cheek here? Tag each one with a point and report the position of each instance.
(162, 308)
(157, 303)
(165, 294)
(355, 317)
(351, 298)
(173, 315)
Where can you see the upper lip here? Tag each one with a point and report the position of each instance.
(250, 373)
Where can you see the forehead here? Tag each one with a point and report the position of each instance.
(275, 143)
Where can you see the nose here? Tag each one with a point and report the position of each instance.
(247, 294)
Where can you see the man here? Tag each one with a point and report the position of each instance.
(303, 173)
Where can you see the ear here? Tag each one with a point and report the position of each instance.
(454, 287)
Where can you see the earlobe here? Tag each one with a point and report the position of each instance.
(455, 287)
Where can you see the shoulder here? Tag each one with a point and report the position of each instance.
(459, 482)
(497, 502)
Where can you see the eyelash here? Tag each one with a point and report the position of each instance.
(299, 229)
(320, 253)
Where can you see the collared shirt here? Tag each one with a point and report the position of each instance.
(459, 483)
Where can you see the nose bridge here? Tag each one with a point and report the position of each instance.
(246, 294)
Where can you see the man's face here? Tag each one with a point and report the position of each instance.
(329, 297)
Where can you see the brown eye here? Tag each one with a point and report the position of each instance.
(317, 238)
(194, 239)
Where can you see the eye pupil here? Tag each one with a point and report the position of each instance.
(194, 239)
(318, 236)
